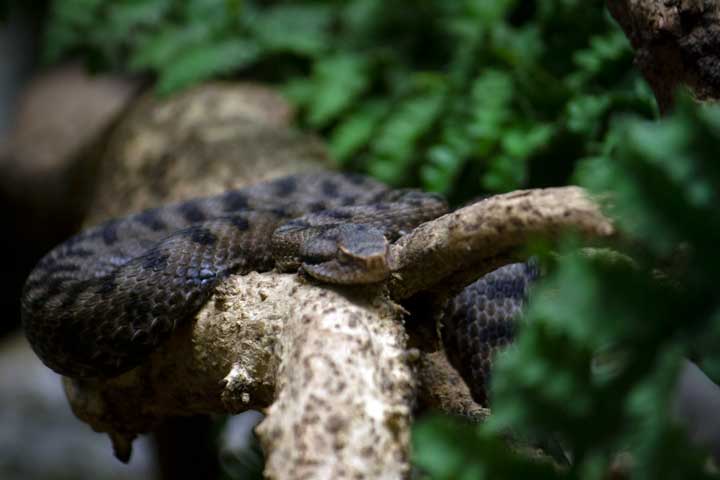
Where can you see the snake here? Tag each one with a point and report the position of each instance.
(100, 303)
(483, 319)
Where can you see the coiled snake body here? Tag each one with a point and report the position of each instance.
(99, 303)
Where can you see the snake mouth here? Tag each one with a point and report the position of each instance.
(370, 260)
(350, 268)
(338, 273)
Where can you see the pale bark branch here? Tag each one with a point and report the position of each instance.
(459, 247)
(344, 390)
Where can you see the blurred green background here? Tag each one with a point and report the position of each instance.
(460, 97)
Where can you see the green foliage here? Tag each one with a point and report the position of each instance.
(449, 449)
(459, 97)
(598, 356)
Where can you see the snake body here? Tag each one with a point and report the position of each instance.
(482, 320)
(101, 302)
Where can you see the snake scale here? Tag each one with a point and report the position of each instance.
(98, 304)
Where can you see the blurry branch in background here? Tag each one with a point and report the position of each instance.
(676, 43)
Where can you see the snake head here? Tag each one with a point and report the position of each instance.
(352, 254)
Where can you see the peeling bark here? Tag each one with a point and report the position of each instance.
(676, 42)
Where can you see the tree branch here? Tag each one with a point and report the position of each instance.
(344, 390)
(676, 42)
(457, 248)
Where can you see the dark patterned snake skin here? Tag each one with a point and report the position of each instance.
(482, 319)
(98, 304)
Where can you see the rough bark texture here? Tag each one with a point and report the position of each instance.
(344, 389)
(458, 248)
(676, 42)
